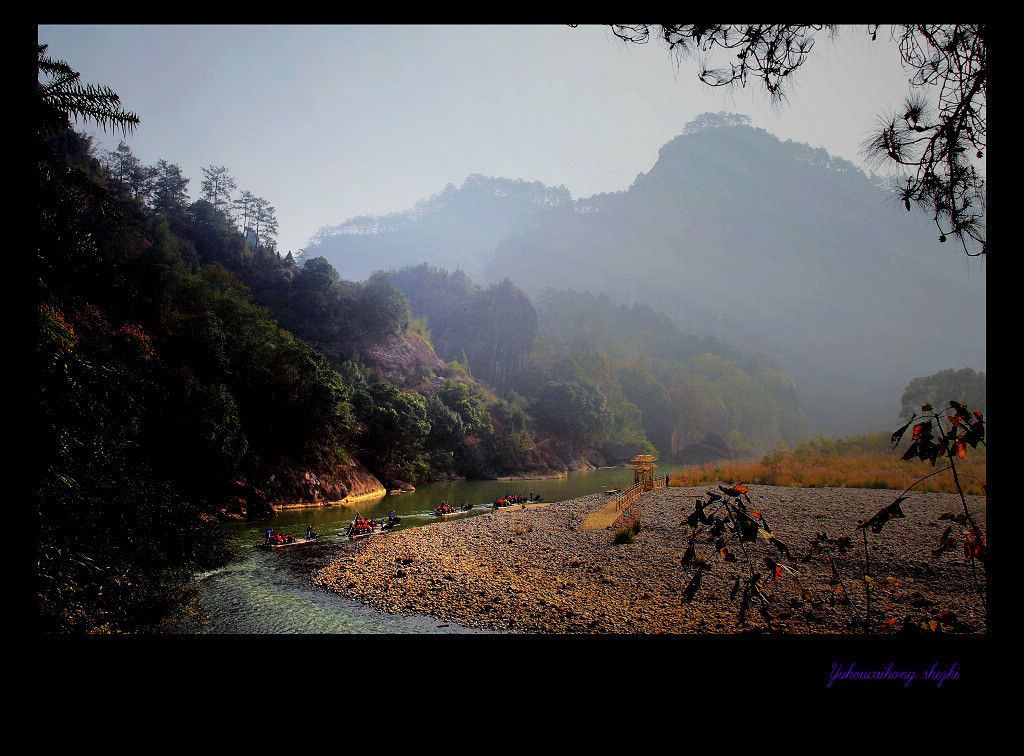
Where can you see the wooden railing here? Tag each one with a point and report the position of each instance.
(628, 496)
(632, 493)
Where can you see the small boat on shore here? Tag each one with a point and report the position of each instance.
(355, 536)
(274, 540)
(444, 510)
(514, 500)
(362, 528)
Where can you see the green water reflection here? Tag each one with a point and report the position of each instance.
(416, 508)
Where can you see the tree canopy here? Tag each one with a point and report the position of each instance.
(965, 386)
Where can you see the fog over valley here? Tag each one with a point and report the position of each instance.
(775, 247)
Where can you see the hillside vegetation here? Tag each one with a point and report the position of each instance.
(776, 247)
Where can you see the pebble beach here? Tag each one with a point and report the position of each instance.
(547, 569)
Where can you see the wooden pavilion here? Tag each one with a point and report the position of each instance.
(643, 471)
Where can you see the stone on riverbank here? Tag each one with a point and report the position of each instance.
(538, 570)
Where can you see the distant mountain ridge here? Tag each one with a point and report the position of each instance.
(458, 227)
(775, 246)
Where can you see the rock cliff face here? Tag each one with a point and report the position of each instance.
(298, 487)
(404, 355)
(710, 448)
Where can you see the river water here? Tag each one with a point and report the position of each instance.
(268, 591)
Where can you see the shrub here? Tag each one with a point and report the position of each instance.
(625, 534)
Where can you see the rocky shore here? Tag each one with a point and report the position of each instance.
(544, 570)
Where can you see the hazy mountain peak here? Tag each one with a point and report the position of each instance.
(776, 246)
(706, 121)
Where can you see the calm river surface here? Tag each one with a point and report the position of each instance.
(267, 591)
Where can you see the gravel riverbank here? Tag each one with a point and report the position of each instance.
(539, 570)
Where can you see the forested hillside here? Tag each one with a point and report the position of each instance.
(774, 246)
(607, 375)
(163, 387)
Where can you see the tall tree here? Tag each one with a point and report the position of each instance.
(170, 193)
(244, 206)
(936, 149)
(264, 223)
(217, 187)
(137, 179)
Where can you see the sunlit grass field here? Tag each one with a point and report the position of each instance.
(865, 461)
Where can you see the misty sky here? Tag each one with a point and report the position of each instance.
(331, 122)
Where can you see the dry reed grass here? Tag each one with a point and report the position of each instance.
(858, 462)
